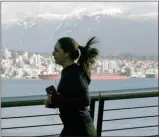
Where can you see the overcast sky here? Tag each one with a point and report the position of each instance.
(19, 10)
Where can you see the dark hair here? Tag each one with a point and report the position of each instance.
(88, 54)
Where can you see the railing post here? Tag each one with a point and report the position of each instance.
(100, 117)
(92, 109)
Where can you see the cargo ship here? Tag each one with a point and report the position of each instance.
(94, 76)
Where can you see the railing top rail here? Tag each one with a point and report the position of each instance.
(105, 95)
(94, 95)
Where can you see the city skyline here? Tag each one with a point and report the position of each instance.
(35, 66)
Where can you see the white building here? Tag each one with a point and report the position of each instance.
(35, 60)
(7, 53)
(20, 72)
(39, 57)
(132, 70)
(105, 65)
(25, 56)
(31, 61)
(111, 66)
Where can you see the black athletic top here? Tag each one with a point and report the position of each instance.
(74, 97)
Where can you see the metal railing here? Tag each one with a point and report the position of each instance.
(99, 97)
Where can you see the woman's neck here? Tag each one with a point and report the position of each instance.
(68, 63)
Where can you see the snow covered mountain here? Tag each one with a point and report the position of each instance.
(118, 31)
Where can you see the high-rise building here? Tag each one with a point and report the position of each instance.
(25, 56)
(35, 60)
(39, 60)
(105, 65)
(7, 53)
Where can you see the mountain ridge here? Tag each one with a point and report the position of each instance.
(116, 33)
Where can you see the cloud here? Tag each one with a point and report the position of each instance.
(20, 10)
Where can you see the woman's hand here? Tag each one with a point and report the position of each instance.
(47, 101)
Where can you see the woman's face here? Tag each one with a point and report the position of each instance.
(59, 55)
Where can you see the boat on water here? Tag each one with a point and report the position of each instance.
(151, 75)
(94, 76)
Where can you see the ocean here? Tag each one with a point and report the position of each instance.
(14, 88)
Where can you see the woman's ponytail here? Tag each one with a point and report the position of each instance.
(88, 55)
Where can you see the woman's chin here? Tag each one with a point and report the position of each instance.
(57, 62)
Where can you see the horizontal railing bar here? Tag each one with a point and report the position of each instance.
(93, 95)
(33, 126)
(59, 134)
(130, 118)
(129, 128)
(130, 95)
(152, 136)
(29, 116)
(139, 90)
(47, 135)
(102, 96)
(130, 108)
(22, 103)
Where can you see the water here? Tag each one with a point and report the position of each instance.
(13, 88)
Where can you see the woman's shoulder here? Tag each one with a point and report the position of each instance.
(71, 70)
(76, 70)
